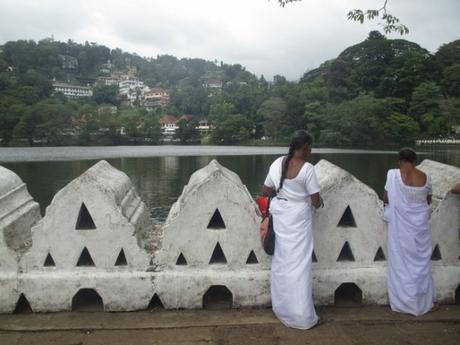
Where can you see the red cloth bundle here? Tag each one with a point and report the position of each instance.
(262, 202)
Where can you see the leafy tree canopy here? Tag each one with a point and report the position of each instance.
(390, 22)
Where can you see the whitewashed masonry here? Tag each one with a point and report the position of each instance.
(97, 241)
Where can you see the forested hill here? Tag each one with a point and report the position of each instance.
(377, 91)
(46, 57)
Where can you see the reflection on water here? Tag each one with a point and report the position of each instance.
(160, 180)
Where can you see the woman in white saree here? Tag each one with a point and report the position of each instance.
(408, 195)
(297, 191)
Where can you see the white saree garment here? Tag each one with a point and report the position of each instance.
(410, 284)
(291, 271)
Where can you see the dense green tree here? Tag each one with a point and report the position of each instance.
(313, 89)
(425, 100)
(351, 122)
(448, 54)
(139, 125)
(9, 118)
(450, 82)
(169, 70)
(6, 81)
(106, 94)
(379, 65)
(190, 99)
(232, 129)
(151, 128)
(3, 63)
(273, 112)
(450, 115)
(27, 94)
(42, 84)
(280, 86)
(108, 126)
(132, 122)
(401, 129)
(45, 121)
(220, 110)
(187, 132)
(20, 54)
(407, 70)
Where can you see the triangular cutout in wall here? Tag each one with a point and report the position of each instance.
(121, 259)
(346, 253)
(218, 256)
(379, 256)
(155, 303)
(84, 220)
(313, 257)
(85, 259)
(216, 222)
(49, 261)
(436, 256)
(181, 261)
(347, 220)
(22, 306)
(252, 258)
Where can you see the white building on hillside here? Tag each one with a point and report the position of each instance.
(127, 85)
(108, 81)
(73, 91)
(156, 97)
(168, 125)
(132, 89)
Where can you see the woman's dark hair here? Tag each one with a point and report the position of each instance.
(298, 139)
(408, 155)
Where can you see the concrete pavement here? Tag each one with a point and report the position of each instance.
(360, 325)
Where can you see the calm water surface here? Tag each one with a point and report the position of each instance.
(159, 173)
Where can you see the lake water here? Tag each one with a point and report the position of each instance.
(159, 173)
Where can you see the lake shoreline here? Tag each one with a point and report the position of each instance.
(72, 153)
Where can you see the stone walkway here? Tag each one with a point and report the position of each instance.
(363, 325)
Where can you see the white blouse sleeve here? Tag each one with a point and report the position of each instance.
(388, 179)
(269, 181)
(311, 182)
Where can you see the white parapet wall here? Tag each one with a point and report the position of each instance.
(350, 237)
(18, 213)
(445, 227)
(210, 238)
(97, 239)
(92, 236)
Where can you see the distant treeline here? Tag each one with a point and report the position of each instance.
(378, 91)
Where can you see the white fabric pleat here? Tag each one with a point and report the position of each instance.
(410, 284)
(291, 273)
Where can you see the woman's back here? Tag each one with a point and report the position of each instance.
(298, 184)
(408, 192)
(414, 186)
(295, 183)
(413, 178)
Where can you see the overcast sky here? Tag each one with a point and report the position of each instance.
(258, 34)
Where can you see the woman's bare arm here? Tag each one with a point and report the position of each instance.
(267, 191)
(316, 200)
(456, 189)
(385, 197)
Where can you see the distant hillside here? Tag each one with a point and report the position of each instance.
(73, 62)
(377, 91)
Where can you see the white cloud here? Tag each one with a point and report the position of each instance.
(258, 34)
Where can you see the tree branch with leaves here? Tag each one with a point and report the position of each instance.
(389, 22)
